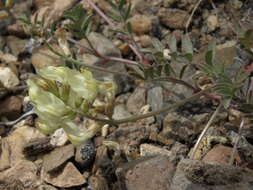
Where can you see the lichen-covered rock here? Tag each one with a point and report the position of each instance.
(193, 174)
(147, 173)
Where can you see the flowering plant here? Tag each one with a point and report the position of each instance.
(59, 94)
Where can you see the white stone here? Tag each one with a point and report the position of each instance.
(8, 77)
(212, 23)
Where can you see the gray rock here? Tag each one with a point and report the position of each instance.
(136, 100)
(181, 128)
(120, 112)
(243, 146)
(197, 175)
(155, 98)
(147, 173)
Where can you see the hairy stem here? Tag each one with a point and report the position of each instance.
(196, 146)
(92, 4)
(174, 80)
(231, 161)
(150, 114)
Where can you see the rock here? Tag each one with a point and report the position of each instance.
(221, 154)
(147, 7)
(22, 7)
(43, 56)
(37, 147)
(236, 4)
(65, 177)
(120, 112)
(2, 41)
(57, 157)
(8, 58)
(136, 100)
(224, 53)
(8, 78)
(22, 176)
(5, 155)
(130, 136)
(4, 23)
(168, 3)
(173, 18)
(42, 3)
(244, 148)
(155, 98)
(85, 154)
(193, 174)
(212, 23)
(16, 45)
(141, 24)
(59, 138)
(178, 152)
(98, 183)
(147, 173)
(181, 128)
(11, 107)
(145, 41)
(53, 12)
(46, 187)
(17, 29)
(151, 150)
(13, 145)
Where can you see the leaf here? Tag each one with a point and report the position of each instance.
(167, 69)
(119, 31)
(188, 57)
(159, 70)
(210, 54)
(157, 45)
(121, 4)
(226, 102)
(172, 42)
(129, 27)
(159, 54)
(209, 57)
(128, 11)
(187, 46)
(183, 71)
(81, 22)
(149, 73)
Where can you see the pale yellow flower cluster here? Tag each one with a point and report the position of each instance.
(60, 93)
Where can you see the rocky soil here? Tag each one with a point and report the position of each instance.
(153, 153)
